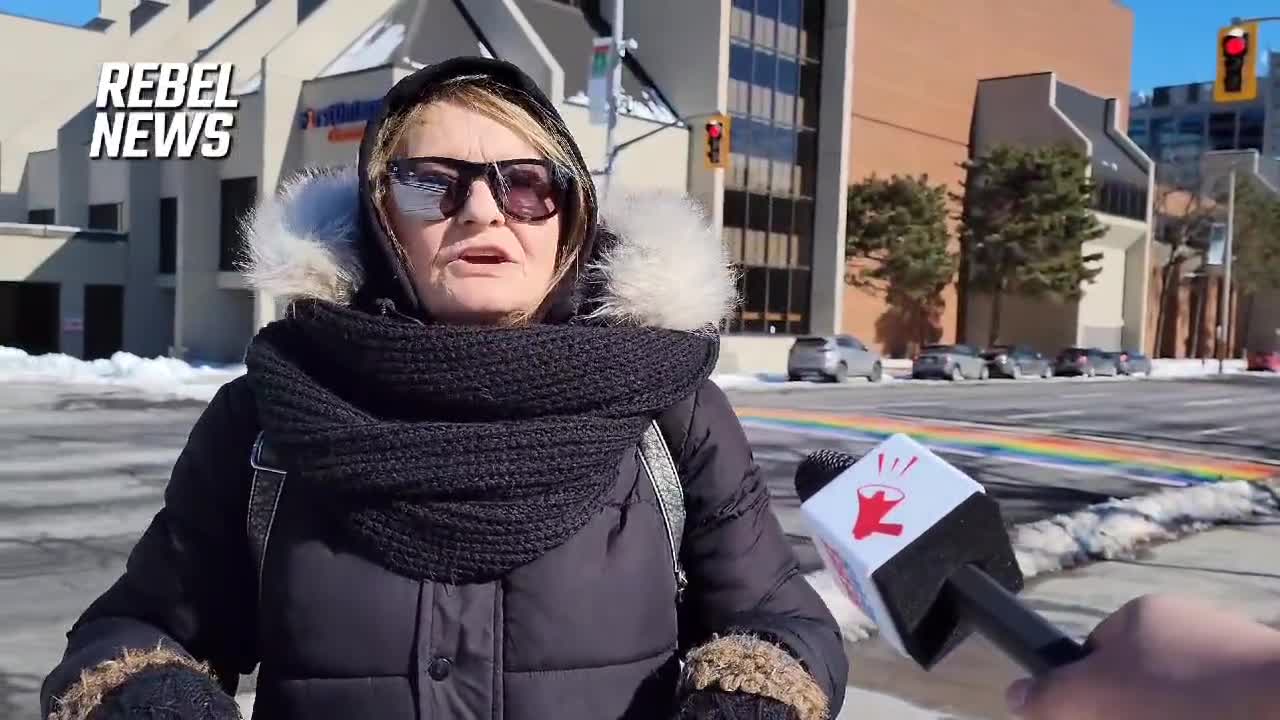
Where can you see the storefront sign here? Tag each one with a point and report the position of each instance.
(338, 115)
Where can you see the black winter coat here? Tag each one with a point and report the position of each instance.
(588, 631)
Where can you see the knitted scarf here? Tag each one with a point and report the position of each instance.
(454, 453)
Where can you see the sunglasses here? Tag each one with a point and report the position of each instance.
(435, 188)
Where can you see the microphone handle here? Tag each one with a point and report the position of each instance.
(1021, 633)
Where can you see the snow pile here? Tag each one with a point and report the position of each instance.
(160, 375)
(370, 50)
(1117, 528)
(1191, 367)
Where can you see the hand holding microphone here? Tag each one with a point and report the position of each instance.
(1163, 658)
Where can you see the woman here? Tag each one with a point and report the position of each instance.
(457, 395)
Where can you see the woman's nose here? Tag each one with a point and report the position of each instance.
(481, 207)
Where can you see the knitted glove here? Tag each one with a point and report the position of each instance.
(167, 693)
(157, 684)
(744, 676)
(721, 705)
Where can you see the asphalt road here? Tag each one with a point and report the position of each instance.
(82, 470)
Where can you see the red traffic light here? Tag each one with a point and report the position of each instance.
(1235, 46)
(714, 131)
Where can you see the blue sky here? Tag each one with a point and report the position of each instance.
(68, 12)
(1174, 40)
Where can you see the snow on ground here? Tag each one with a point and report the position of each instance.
(168, 377)
(1170, 368)
(1108, 531)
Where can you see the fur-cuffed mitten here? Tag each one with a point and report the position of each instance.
(721, 705)
(745, 665)
(146, 685)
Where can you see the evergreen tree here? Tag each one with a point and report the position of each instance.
(897, 245)
(1027, 214)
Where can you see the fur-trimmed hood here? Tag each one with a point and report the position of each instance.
(666, 267)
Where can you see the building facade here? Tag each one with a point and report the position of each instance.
(139, 255)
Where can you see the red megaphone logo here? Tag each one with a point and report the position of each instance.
(874, 504)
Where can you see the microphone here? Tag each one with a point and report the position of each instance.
(921, 548)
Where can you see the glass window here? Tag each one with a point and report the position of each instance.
(788, 77)
(739, 61)
(807, 157)
(810, 86)
(778, 295)
(1193, 93)
(803, 229)
(1252, 124)
(1160, 98)
(798, 310)
(104, 217)
(765, 70)
(754, 288)
(42, 216)
(811, 30)
(766, 23)
(1162, 130)
(789, 27)
(168, 234)
(1222, 131)
(238, 196)
(1137, 126)
(789, 12)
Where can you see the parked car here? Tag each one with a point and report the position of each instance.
(1131, 362)
(951, 362)
(1265, 360)
(1085, 361)
(833, 357)
(1016, 361)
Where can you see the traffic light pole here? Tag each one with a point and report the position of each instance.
(620, 47)
(1224, 295)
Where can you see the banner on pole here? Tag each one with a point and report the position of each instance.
(599, 79)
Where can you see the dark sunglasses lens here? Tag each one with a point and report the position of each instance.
(426, 190)
(531, 191)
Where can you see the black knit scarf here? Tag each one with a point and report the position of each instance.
(456, 453)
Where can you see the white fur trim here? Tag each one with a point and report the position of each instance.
(302, 243)
(668, 270)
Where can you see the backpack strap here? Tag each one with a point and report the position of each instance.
(655, 455)
(264, 498)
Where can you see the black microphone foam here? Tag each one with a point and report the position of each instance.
(819, 469)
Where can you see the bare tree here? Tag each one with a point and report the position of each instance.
(1185, 211)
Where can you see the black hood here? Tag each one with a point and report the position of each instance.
(385, 276)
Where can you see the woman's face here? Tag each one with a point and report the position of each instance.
(478, 265)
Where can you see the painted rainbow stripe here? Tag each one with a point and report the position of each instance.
(1134, 460)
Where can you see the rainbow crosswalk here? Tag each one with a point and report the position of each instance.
(1160, 465)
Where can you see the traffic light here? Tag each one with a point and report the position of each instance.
(717, 142)
(1237, 78)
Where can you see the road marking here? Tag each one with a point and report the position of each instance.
(1220, 430)
(1039, 415)
(919, 403)
(1206, 403)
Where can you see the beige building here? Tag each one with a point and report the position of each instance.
(137, 255)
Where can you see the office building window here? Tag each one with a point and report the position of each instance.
(168, 235)
(104, 217)
(43, 216)
(774, 81)
(1160, 97)
(1222, 131)
(1193, 93)
(1252, 123)
(1138, 131)
(238, 196)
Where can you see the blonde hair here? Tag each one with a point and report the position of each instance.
(479, 94)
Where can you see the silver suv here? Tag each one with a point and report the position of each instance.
(834, 357)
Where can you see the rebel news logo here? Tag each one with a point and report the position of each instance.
(163, 110)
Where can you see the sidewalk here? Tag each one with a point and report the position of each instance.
(1235, 567)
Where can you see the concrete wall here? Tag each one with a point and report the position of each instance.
(513, 37)
(827, 295)
(754, 353)
(1137, 288)
(689, 61)
(1102, 306)
(41, 182)
(1021, 111)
